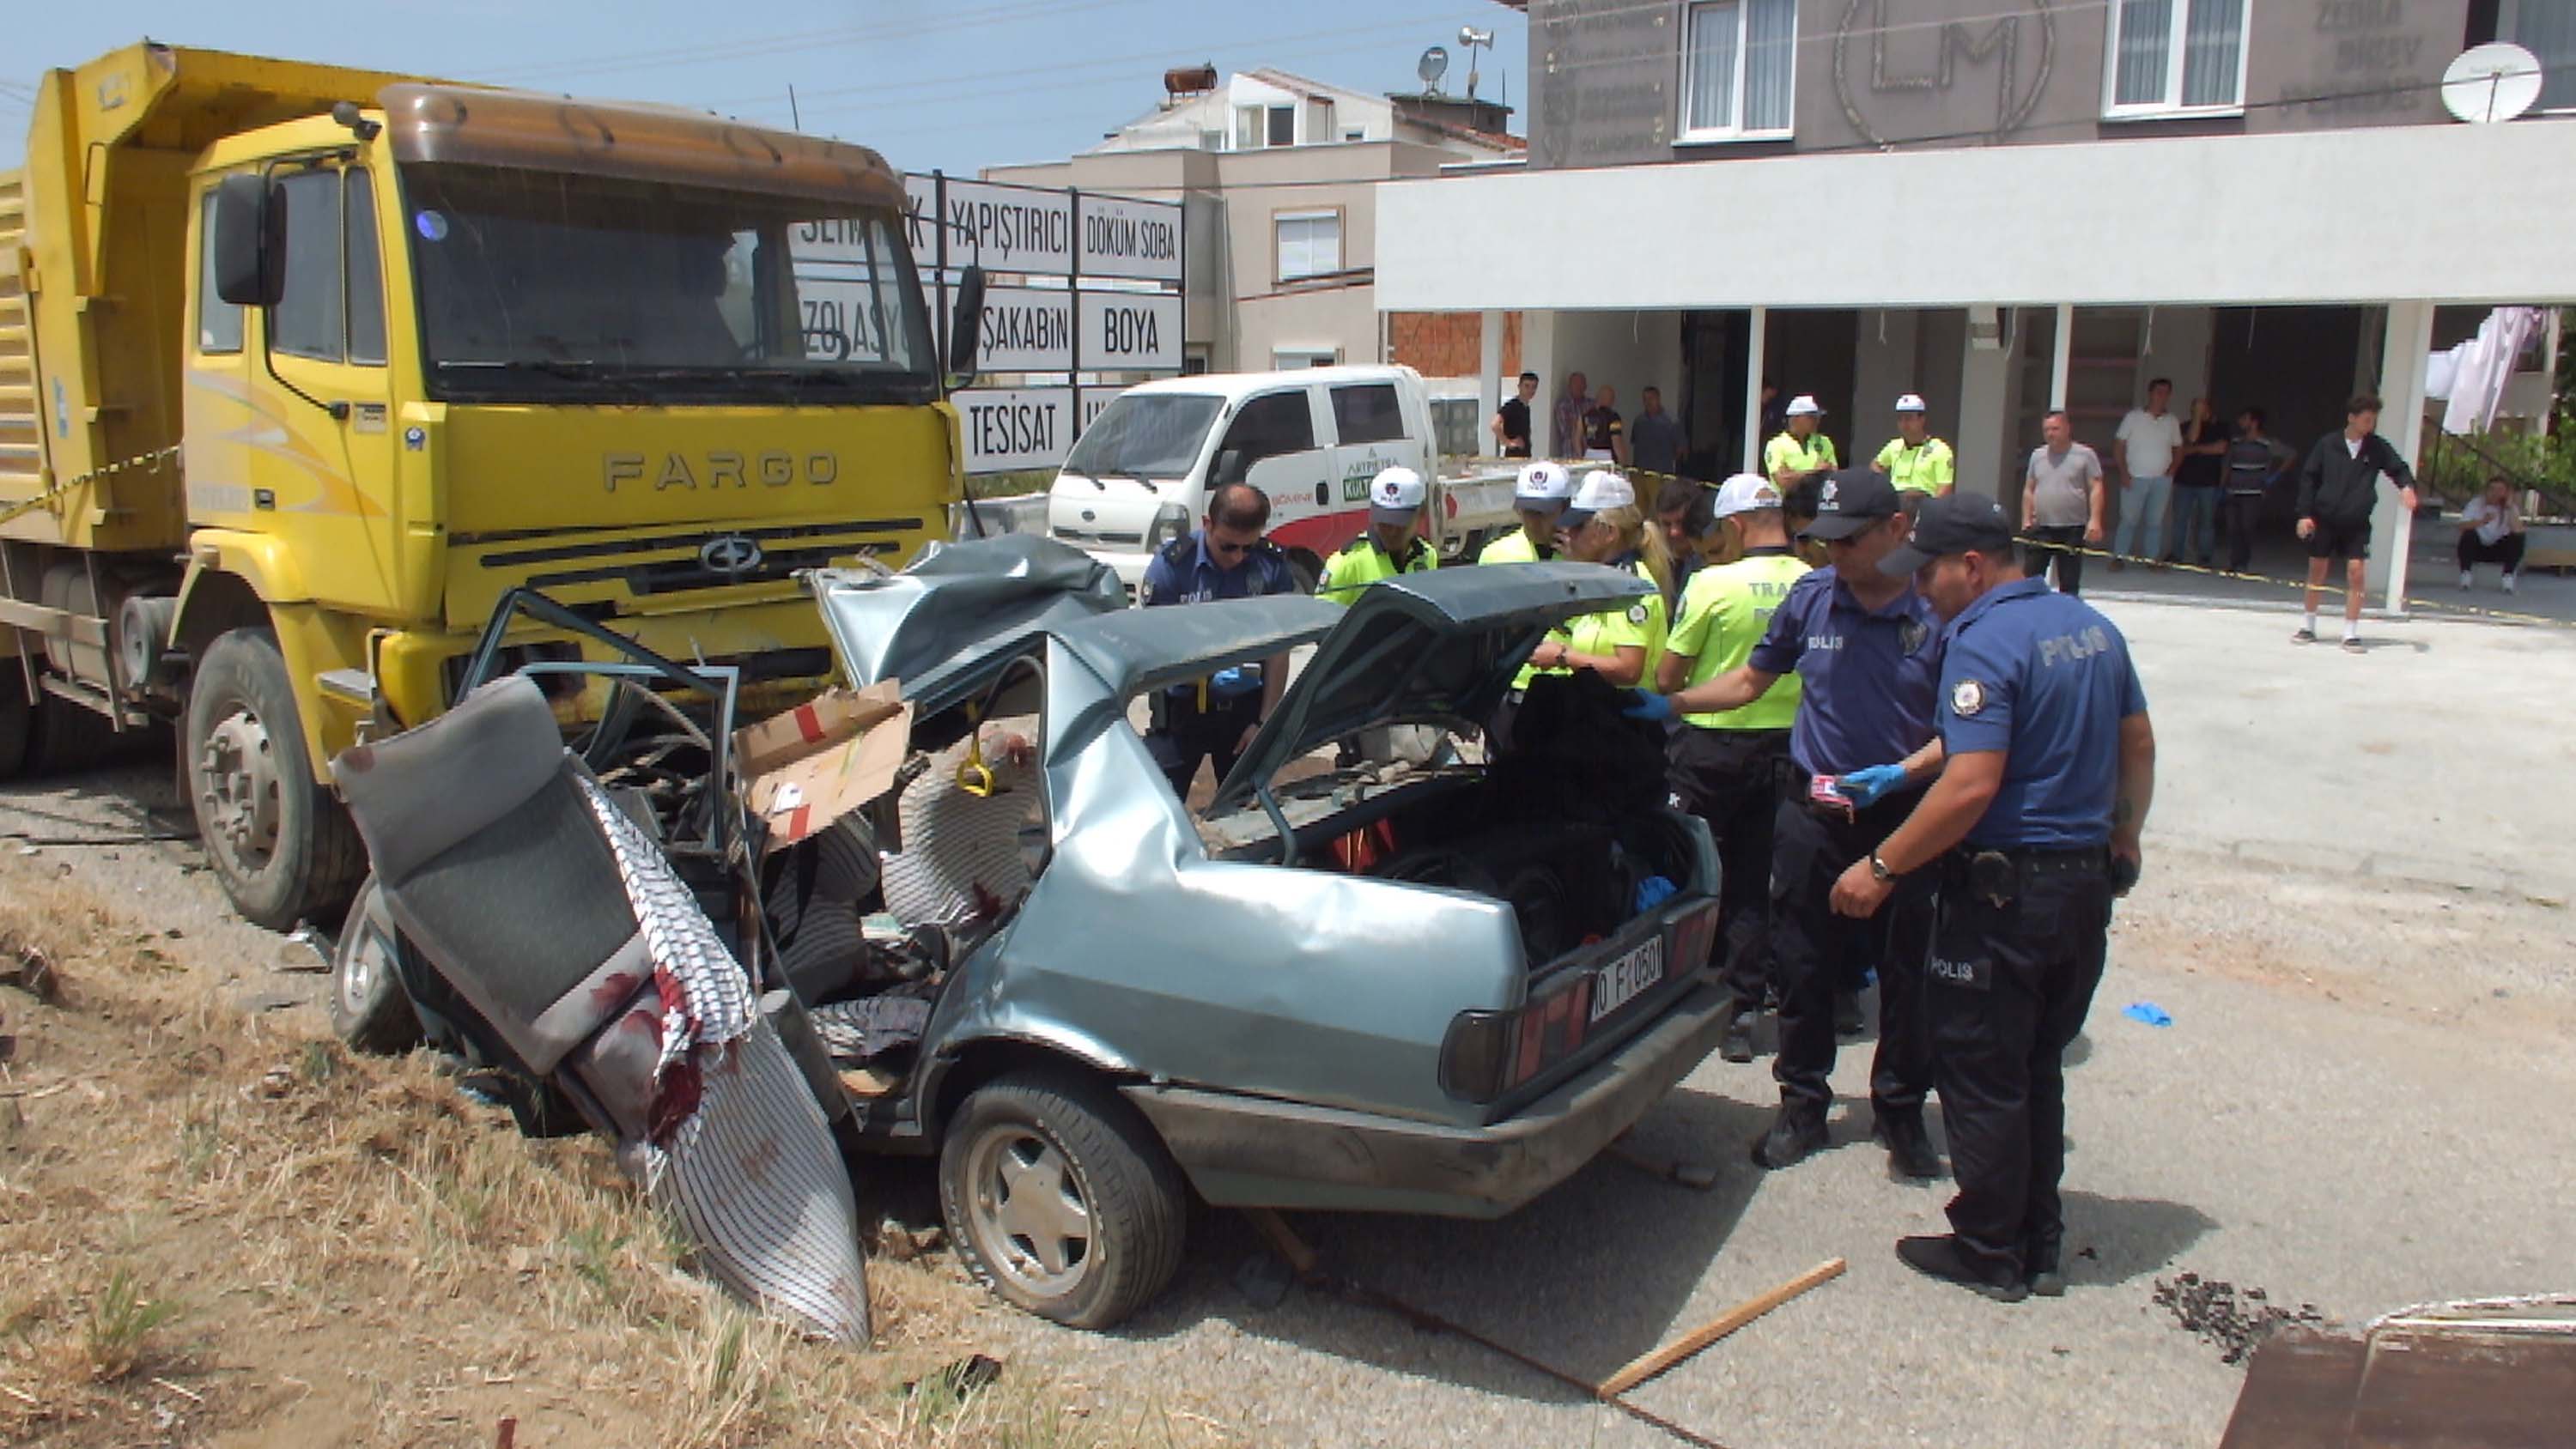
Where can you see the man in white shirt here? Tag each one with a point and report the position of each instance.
(2491, 532)
(2143, 450)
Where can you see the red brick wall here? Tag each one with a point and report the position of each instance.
(1449, 344)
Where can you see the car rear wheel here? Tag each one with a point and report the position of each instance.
(1061, 1199)
(282, 846)
(369, 1008)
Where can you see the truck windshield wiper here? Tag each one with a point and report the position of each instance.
(569, 369)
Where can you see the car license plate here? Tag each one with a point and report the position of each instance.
(1618, 983)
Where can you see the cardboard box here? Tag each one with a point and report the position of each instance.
(823, 759)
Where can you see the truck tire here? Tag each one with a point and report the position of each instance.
(369, 1008)
(17, 721)
(69, 739)
(281, 845)
(1061, 1199)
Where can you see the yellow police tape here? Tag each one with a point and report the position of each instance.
(2337, 590)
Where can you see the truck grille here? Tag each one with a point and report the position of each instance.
(684, 562)
(1102, 535)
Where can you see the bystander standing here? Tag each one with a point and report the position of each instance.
(2061, 503)
(1565, 440)
(2143, 451)
(1510, 423)
(1605, 433)
(2254, 461)
(2193, 535)
(2338, 488)
(1655, 439)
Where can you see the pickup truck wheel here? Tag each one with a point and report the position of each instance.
(369, 1008)
(17, 720)
(1061, 1199)
(282, 846)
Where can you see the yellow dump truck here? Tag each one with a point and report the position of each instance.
(302, 368)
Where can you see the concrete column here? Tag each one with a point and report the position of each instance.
(1985, 418)
(1753, 365)
(1538, 354)
(1489, 375)
(2404, 354)
(2063, 361)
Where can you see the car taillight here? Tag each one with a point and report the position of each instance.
(1487, 1053)
(1695, 937)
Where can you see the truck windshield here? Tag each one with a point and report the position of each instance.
(1145, 435)
(546, 287)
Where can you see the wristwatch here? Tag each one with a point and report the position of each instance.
(1878, 870)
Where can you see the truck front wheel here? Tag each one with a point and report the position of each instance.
(282, 846)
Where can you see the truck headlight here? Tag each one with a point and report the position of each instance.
(1171, 523)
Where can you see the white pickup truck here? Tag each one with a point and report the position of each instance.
(1311, 439)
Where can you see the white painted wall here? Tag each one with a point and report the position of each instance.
(2481, 213)
(1626, 350)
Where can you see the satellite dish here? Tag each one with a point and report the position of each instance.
(2493, 82)
(1435, 64)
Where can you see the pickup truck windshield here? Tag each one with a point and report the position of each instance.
(1145, 435)
(538, 286)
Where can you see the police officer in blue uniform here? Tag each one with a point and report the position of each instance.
(1212, 719)
(1866, 651)
(2032, 829)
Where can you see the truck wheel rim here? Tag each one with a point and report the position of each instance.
(1029, 1212)
(240, 789)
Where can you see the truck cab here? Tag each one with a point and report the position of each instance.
(322, 363)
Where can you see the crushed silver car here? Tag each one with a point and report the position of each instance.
(1434, 987)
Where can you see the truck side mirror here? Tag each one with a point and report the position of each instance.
(246, 270)
(966, 328)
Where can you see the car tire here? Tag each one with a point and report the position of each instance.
(1110, 1244)
(281, 845)
(369, 1008)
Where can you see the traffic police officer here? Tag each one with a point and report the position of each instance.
(1539, 496)
(1919, 464)
(1866, 650)
(1798, 459)
(1389, 547)
(1225, 558)
(1725, 764)
(1605, 526)
(2032, 828)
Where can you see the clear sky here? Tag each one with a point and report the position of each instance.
(954, 86)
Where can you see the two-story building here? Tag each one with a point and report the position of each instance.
(2004, 205)
(1279, 175)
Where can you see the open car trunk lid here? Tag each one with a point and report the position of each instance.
(961, 608)
(1421, 648)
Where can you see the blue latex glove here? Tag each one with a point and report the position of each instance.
(1653, 891)
(1645, 704)
(1865, 788)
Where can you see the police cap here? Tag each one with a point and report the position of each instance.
(1957, 523)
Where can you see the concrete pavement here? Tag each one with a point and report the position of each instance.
(2355, 913)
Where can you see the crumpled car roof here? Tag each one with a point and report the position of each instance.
(1140, 648)
(958, 607)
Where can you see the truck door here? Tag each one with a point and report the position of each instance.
(1273, 445)
(1370, 435)
(322, 471)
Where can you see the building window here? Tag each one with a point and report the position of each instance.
(2546, 28)
(1738, 69)
(1247, 128)
(1284, 358)
(1283, 125)
(2169, 56)
(1308, 243)
(1353, 133)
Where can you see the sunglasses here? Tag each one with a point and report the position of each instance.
(1218, 545)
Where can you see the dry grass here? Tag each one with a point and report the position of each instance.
(219, 1225)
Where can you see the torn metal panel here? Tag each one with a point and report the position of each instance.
(2477, 1375)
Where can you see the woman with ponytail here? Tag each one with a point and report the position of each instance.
(1605, 526)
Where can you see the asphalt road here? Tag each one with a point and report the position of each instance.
(2356, 913)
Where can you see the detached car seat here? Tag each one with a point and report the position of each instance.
(543, 905)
